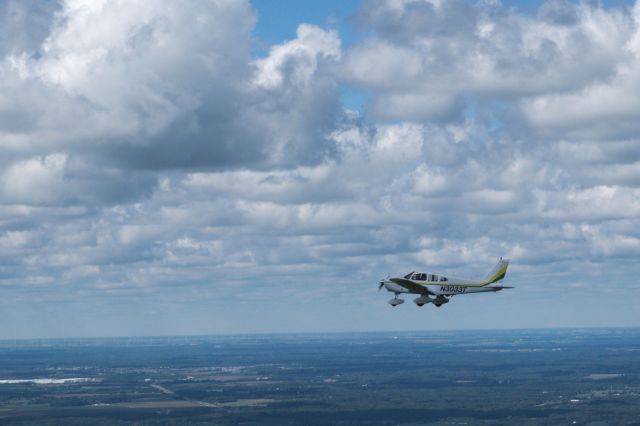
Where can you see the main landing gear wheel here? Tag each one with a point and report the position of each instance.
(395, 301)
(440, 300)
(422, 300)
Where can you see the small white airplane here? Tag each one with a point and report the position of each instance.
(435, 288)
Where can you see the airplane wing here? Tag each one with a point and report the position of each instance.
(410, 285)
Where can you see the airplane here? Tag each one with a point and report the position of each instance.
(437, 289)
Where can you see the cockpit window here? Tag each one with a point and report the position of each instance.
(419, 276)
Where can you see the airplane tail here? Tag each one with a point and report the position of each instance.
(498, 272)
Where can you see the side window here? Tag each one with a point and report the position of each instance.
(443, 279)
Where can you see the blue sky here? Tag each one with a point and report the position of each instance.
(247, 167)
(278, 20)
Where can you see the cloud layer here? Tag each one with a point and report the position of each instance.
(150, 154)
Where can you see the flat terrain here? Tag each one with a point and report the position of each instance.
(532, 377)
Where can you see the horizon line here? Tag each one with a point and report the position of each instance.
(291, 333)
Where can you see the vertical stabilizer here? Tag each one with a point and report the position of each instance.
(498, 272)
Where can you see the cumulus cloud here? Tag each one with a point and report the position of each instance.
(149, 86)
(600, 109)
(297, 97)
(35, 180)
(425, 58)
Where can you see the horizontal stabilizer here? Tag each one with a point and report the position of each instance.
(498, 287)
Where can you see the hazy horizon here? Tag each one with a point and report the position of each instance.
(319, 333)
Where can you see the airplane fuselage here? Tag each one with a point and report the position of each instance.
(436, 289)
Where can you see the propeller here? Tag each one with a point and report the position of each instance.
(382, 282)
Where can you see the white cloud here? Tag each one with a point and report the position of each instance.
(296, 101)
(136, 85)
(424, 60)
(296, 62)
(35, 181)
(602, 108)
(131, 69)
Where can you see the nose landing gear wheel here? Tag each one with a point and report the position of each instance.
(395, 301)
